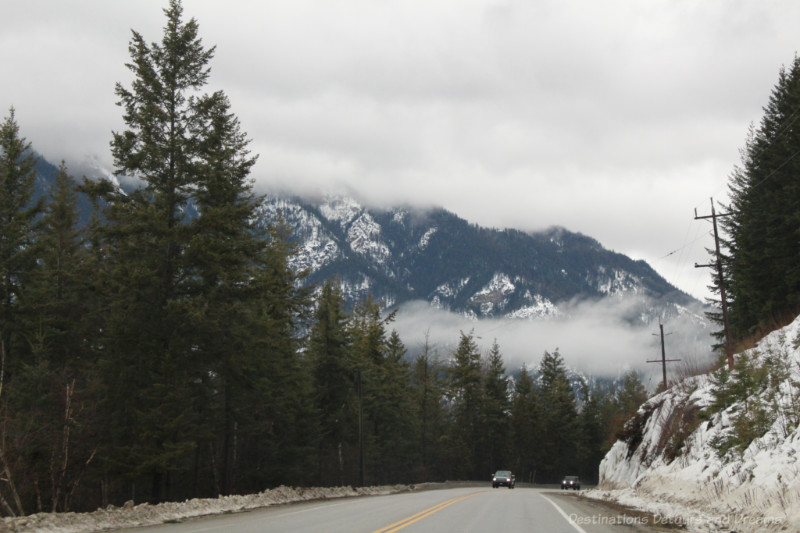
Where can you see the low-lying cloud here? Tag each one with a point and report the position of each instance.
(603, 338)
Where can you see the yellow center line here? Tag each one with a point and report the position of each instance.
(397, 526)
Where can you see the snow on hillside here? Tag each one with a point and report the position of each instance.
(316, 249)
(341, 209)
(494, 295)
(614, 282)
(674, 461)
(426, 238)
(364, 237)
(540, 308)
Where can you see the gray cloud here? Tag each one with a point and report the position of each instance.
(615, 119)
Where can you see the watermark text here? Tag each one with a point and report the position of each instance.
(624, 519)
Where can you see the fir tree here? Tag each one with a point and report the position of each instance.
(629, 396)
(592, 431)
(392, 413)
(334, 387)
(427, 392)
(467, 395)
(21, 439)
(526, 422)
(59, 303)
(18, 228)
(223, 259)
(279, 411)
(763, 249)
(559, 420)
(496, 409)
(51, 389)
(148, 363)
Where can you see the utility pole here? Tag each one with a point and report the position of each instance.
(720, 280)
(663, 359)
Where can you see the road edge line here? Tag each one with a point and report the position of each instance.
(565, 515)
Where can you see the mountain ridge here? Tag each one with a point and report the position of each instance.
(404, 253)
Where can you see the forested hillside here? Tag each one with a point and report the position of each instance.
(150, 355)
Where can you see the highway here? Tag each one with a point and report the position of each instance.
(463, 509)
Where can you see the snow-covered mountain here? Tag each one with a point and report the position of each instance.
(718, 451)
(401, 254)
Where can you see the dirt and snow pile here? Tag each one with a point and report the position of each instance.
(143, 515)
(692, 459)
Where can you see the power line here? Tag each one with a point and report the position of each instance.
(776, 169)
(673, 252)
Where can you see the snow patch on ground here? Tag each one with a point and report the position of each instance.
(144, 514)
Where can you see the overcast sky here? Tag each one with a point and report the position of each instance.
(615, 119)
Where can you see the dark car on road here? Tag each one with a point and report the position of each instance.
(503, 478)
(571, 482)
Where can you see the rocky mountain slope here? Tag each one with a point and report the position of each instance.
(718, 450)
(401, 254)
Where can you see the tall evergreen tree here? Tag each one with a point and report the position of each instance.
(367, 334)
(526, 436)
(560, 418)
(245, 301)
(763, 249)
(50, 390)
(18, 227)
(427, 393)
(288, 441)
(334, 387)
(178, 142)
(392, 416)
(59, 306)
(592, 431)
(18, 254)
(496, 410)
(630, 394)
(466, 397)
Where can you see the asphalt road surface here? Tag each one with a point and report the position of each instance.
(464, 509)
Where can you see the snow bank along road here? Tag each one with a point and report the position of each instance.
(461, 509)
